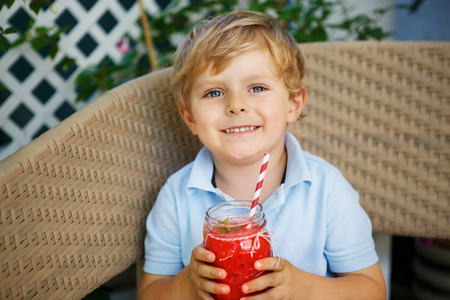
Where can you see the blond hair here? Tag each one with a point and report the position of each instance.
(222, 38)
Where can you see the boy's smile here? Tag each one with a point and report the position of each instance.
(241, 129)
(242, 112)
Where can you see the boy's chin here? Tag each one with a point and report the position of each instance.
(244, 155)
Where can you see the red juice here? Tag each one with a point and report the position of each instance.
(237, 241)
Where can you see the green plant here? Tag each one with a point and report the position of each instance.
(34, 5)
(41, 38)
(307, 21)
(107, 74)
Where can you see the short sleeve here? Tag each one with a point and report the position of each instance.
(349, 244)
(162, 241)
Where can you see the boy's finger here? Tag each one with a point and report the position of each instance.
(261, 283)
(207, 271)
(270, 264)
(200, 253)
(212, 287)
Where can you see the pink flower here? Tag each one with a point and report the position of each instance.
(124, 45)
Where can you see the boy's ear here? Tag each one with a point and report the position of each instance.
(297, 103)
(188, 120)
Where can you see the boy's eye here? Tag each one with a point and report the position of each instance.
(257, 89)
(214, 94)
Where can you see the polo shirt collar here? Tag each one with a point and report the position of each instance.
(296, 172)
(201, 172)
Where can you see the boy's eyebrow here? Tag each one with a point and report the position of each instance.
(208, 81)
(204, 82)
(264, 76)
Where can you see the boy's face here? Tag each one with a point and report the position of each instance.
(243, 111)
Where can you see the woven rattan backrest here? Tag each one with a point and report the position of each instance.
(74, 201)
(379, 112)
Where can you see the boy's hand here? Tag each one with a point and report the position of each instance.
(279, 283)
(289, 282)
(202, 274)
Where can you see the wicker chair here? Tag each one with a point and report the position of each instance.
(74, 201)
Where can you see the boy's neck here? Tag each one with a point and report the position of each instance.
(239, 181)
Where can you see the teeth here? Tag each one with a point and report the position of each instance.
(242, 129)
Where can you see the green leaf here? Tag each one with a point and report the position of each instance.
(226, 228)
(319, 34)
(66, 63)
(360, 20)
(326, 13)
(22, 39)
(8, 3)
(376, 33)
(38, 43)
(30, 24)
(344, 25)
(289, 12)
(41, 30)
(3, 43)
(260, 6)
(53, 51)
(54, 39)
(35, 7)
(11, 30)
(415, 5)
(62, 30)
(85, 93)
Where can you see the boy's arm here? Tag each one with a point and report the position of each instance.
(288, 282)
(166, 287)
(367, 283)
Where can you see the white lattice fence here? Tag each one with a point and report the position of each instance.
(40, 94)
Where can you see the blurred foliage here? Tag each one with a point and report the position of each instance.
(306, 20)
(41, 38)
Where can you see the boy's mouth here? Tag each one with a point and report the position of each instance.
(240, 129)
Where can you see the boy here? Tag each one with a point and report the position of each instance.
(238, 83)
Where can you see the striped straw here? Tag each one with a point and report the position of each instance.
(262, 173)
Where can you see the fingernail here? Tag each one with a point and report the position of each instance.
(244, 288)
(224, 290)
(258, 265)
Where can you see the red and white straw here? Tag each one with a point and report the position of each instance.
(262, 173)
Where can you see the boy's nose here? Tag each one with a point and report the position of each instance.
(235, 111)
(236, 106)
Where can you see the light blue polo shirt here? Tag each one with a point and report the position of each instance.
(318, 222)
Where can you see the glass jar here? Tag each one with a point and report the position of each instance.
(238, 241)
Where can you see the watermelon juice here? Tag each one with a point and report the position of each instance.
(237, 241)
